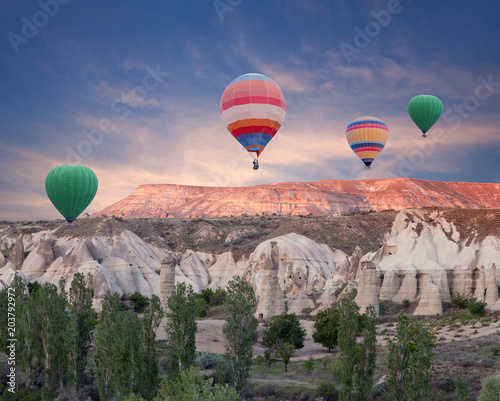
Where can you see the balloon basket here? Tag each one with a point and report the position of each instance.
(368, 168)
(70, 226)
(424, 136)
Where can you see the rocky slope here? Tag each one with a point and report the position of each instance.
(317, 198)
(420, 255)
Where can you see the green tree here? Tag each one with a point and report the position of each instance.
(104, 341)
(366, 357)
(140, 302)
(181, 327)
(398, 360)
(326, 326)
(190, 386)
(490, 390)
(419, 368)
(148, 373)
(284, 328)
(81, 294)
(348, 328)
(126, 353)
(461, 393)
(240, 330)
(53, 320)
(285, 352)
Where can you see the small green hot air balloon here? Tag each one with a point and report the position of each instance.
(425, 110)
(71, 188)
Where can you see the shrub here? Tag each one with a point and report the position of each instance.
(406, 303)
(477, 308)
(208, 360)
(490, 389)
(140, 302)
(487, 363)
(201, 307)
(379, 390)
(468, 361)
(308, 365)
(328, 391)
(447, 384)
(459, 301)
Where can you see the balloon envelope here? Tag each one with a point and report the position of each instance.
(425, 110)
(367, 137)
(253, 109)
(71, 188)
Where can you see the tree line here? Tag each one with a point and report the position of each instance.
(66, 350)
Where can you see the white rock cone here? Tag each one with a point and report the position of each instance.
(491, 297)
(430, 301)
(480, 285)
(167, 278)
(271, 302)
(390, 286)
(368, 288)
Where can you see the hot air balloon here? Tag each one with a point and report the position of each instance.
(367, 137)
(253, 109)
(425, 110)
(71, 188)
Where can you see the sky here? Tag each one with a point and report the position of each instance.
(132, 90)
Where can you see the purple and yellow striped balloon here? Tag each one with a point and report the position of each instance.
(367, 137)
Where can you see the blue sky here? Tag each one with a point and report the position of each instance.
(145, 79)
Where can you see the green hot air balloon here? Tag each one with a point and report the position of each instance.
(425, 110)
(71, 188)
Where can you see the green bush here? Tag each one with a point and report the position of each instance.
(379, 390)
(490, 390)
(459, 301)
(477, 308)
(308, 365)
(140, 302)
(208, 360)
(328, 391)
(201, 306)
(447, 384)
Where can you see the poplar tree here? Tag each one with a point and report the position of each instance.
(240, 330)
(348, 328)
(148, 373)
(81, 324)
(181, 328)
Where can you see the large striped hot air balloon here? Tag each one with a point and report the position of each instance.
(253, 109)
(367, 137)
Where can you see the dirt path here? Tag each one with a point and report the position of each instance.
(210, 338)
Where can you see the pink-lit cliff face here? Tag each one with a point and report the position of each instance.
(321, 197)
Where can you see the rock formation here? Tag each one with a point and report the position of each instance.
(271, 302)
(390, 286)
(463, 282)
(167, 278)
(368, 288)
(430, 301)
(480, 285)
(16, 257)
(320, 197)
(491, 297)
(409, 287)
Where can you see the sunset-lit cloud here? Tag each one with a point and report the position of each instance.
(80, 93)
